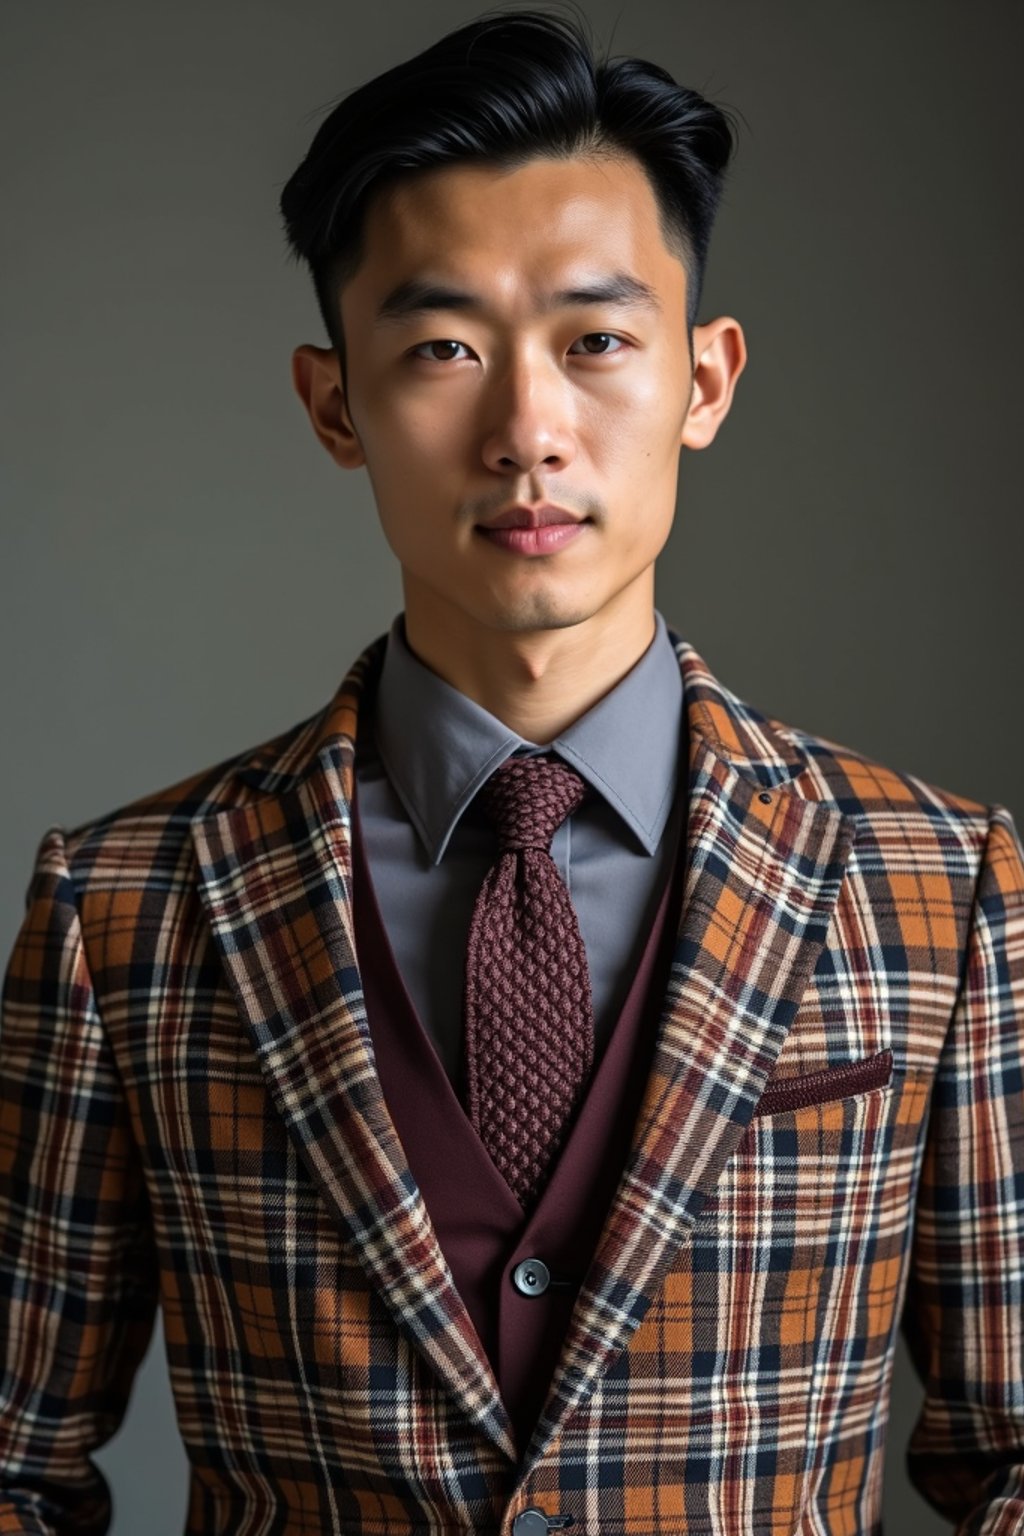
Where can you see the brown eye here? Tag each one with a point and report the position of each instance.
(596, 343)
(433, 356)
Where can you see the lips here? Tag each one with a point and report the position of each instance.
(522, 516)
(545, 539)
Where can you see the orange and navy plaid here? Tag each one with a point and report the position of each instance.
(830, 1148)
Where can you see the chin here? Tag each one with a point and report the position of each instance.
(538, 611)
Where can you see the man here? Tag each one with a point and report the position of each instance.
(536, 1087)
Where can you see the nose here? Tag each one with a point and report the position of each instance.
(528, 420)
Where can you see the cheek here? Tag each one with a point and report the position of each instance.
(412, 459)
(403, 429)
(637, 448)
(635, 427)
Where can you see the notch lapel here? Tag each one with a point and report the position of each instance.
(762, 879)
(275, 877)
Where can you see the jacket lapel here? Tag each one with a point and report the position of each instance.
(764, 869)
(275, 878)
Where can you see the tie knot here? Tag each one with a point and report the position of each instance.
(528, 798)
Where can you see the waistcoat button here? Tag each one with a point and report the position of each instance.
(531, 1522)
(531, 1278)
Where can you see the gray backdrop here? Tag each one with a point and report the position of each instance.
(185, 572)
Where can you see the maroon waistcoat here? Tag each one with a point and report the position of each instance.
(480, 1225)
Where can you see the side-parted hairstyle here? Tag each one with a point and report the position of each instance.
(504, 89)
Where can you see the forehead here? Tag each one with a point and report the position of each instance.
(517, 231)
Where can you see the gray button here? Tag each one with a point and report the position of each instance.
(531, 1278)
(531, 1522)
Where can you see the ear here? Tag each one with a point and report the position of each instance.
(316, 375)
(719, 357)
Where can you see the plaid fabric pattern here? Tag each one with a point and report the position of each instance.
(831, 1145)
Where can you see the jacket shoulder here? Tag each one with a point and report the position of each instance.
(158, 820)
(861, 785)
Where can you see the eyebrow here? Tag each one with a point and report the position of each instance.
(418, 296)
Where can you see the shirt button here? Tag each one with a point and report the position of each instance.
(531, 1522)
(531, 1278)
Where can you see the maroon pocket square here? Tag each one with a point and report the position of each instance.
(850, 1077)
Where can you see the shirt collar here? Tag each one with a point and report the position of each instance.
(438, 746)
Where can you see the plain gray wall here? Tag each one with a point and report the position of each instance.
(185, 572)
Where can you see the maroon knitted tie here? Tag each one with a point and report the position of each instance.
(529, 1016)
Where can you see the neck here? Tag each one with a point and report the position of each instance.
(536, 681)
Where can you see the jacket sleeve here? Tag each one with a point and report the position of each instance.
(78, 1270)
(964, 1315)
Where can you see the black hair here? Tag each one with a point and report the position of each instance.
(504, 89)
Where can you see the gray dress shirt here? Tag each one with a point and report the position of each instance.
(428, 844)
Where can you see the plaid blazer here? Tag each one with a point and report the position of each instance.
(831, 1146)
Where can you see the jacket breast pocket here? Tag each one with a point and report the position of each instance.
(846, 1080)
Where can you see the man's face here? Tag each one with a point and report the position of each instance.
(517, 339)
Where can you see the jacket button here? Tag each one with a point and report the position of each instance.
(531, 1278)
(531, 1522)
